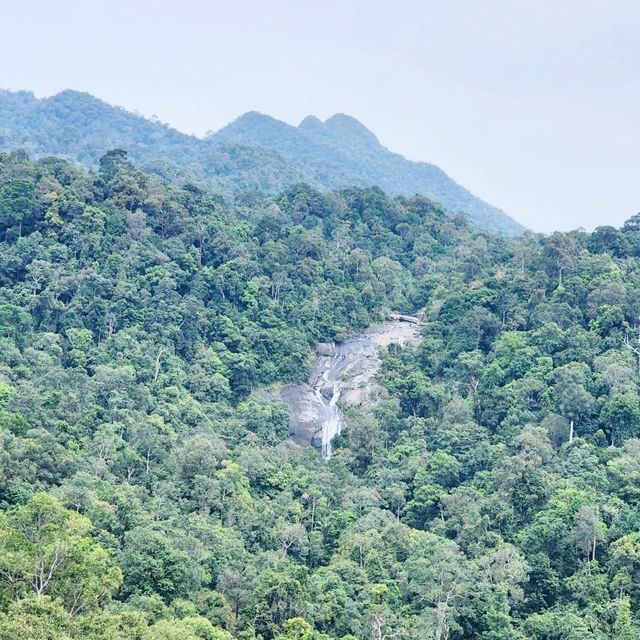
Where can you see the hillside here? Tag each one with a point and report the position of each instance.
(342, 151)
(79, 127)
(149, 488)
(253, 153)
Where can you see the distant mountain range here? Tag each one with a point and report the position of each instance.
(254, 152)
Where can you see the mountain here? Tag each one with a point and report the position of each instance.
(255, 152)
(486, 486)
(79, 127)
(343, 151)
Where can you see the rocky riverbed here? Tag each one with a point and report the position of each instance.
(342, 374)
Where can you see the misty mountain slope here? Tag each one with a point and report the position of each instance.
(342, 150)
(253, 152)
(79, 127)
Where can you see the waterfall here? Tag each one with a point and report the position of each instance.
(342, 374)
(331, 414)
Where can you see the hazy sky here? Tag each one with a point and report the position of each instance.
(532, 105)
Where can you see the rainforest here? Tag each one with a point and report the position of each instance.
(150, 488)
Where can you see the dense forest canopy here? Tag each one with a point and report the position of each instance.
(150, 491)
(253, 152)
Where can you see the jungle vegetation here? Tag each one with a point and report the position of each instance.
(149, 491)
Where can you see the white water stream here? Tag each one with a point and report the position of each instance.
(342, 374)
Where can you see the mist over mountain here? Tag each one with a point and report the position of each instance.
(255, 152)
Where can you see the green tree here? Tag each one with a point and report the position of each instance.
(620, 418)
(151, 564)
(48, 550)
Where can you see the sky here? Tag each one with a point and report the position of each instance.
(532, 105)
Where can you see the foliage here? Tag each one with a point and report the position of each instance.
(148, 488)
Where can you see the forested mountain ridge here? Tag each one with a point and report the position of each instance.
(148, 491)
(254, 152)
(79, 127)
(342, 151)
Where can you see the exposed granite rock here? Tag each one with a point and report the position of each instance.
(343, 374)
(326, 349)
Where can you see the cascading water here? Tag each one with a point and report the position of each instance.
(343, 374)
(331, 421)
(328, 387)
(331, 415)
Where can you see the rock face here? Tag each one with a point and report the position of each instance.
(326, 349)
(343, 374)
(404, 318)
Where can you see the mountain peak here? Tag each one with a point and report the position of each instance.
(73, 96)
(76, 93)
(343, 124)
(255, 127)
(311, 123)
(252, 117)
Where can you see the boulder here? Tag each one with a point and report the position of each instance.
(326, 349)
(404, 318)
